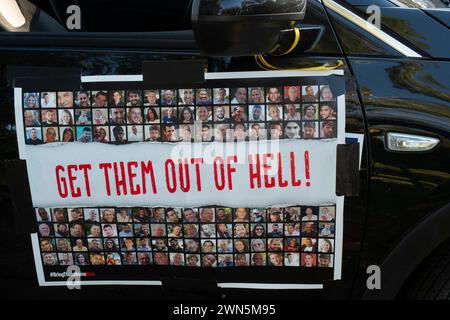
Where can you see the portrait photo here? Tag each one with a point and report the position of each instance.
(31, 100)
(328, 129)
(224, 230)
(135, 133)
(257, 112)
(192, 245)
(61, 230)
(143, 244)
(310, 112)
(65, 116)
(142, 230)
(97, 259)
(108, 215)
(186, 97)
(95, 245)
(159, 244)
(174, 230)
(118, 134)
(275, 229)
(175, 245)
(224, 246)
(84, 134)
(273, 95)
(221, 95)
(326, 229)
(59, 214)
(327, 112)
(292, 112)
(101, 134)
(291, 94)
(99, 99)
(99, 116)
(82, 99)
(292, 259)
(67, 134)
(275, 259)
(191, 230)
(109, 230)
(326, 245)
(144, 258)
(325, 260)
(128, 258)
(258, 230)
(48, 99)
(242, 260)
(151, 97)
(169, 115)
(43, 214)
(111, 244)
(275, 214)
(192, 260)
(292, 130)
(45, 229)
(134, 98)
(208, 245)
(259, 259)
(310, 130)
(207, 230)
(123, 215)
(113, 259)
(33, 136)
(49, 117)
(204, 113)
(239, 114)
(241, 245)
(327, 213)
(256, 95)
(169, 97)
(221, 113)
(77, 229)
(65, 99)
(91, 215)
(209, 260)
(81, 259)
(176, 259)
(291, 244)
(203, 97)
(309, 229)
(291, 214)
(326, 94)
(49, 259)
(65, 259)
(257, 131)
(308, 260)
(310, 93)
(225, 260)
(117, 116)
(63, 245)
(238, 95)
(51, 134)
(152, 115)
(258, 245)
(309, 244)
(134, 115)
(309, 213)
(241, 230)
(31, 118)
(274, 112)
(127, 244)
(157, 215)
(222, 132)
(47, 244)
(125, 230)
(93, 230)
(116, 98)
(140, 214)
(152, 133)
(275, 244)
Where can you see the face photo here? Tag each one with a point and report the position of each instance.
(134, 115)
(66, 117)
(221, 95)
(326, 245)
(203, 97)
(82, 99)
(241, 245)
(48, 99)
(109, 230)
(186, 115)
(327, 213)
(77, 230)
(144, 258)
(326, 229)
(142, 230)
(291, 94)
(65, 99)
(207, 215)
(128, 258)
(239, 132)
(33, 136)
(309, 213)
(258, 245)
(242, 260)
(327, 112)
(310, 130)
(209, 260)
(113, 259)
(45, 229)
(123, 215)
(325, 260)
(152, 115)
(157, 215)
(118, 134)
(204, 113)
(274, 112)
(134, 98)
(59, 215)
(159, 244)
(47, 245)
(84, 134)
(256, 95)
(49, 117)
(207, 230)
(176, 259)
(239, 114)
(309, 229)
(169, 115)
(309, 244)
(95, 245)
(241, 230)
(169, 97)
(151, 97)
(275, 259)
(310, 93)
(173, 215)
(99, 116)
(61, 230)
(49, 259)
(291, 244)
(192, 260)
(292, 112)
(63, 245)
(241, 215)
(221, 113)
(31, 118)
(257, 131)
(275, 244)
(175, 245)
(43, 214)
(258, 230)
(308, 260)
(238, 95)
(97, 259)
(117, 116)
(292, 130)
(76, 214)
(291, 214)
(160, 258)
(257, 112)
(222, 132)
(101, 134)
(191, 230)
(208, 245)
(225, 260)
(310, 112)
(224, 246)
(275, 215)
(258, 259)
(223, 215)
(224, 230)
(31, 100)
(79, 245)
(127, 244)
(326, 94)
(292, 229)
(99, 99)
(328, 129)
(135, 133)
(117, 98)
(152, 133)
(91, 215)
(275, 229)
(187, 97)
(81, 259)
(140, 215)
(291, 259)
(192, 245)
(125, 230)
(175, 230)
(273, 95)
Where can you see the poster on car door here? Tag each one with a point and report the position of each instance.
(233, 180)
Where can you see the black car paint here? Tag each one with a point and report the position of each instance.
(397, 191)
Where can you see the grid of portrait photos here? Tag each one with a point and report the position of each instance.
(300, 236)
(172, 115)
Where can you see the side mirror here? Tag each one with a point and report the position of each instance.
(242, 27)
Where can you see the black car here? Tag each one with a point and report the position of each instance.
(397, 96)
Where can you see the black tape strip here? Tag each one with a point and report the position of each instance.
(19, 187)
(189, 288)
(42, 78)
(347, 170)
(173, 73)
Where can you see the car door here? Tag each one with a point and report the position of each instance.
(123, 53)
